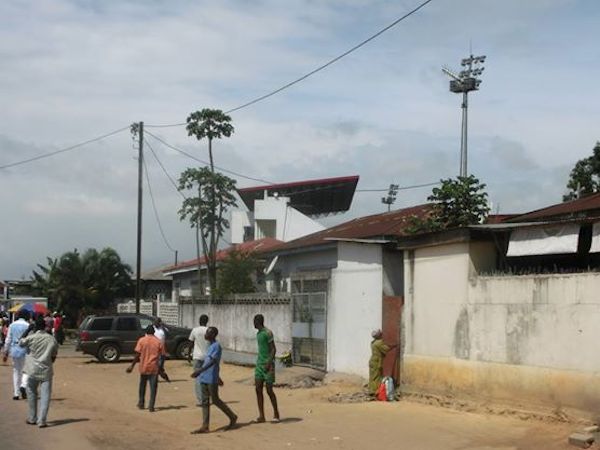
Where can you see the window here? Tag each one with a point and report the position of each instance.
(145, 322)
(101, 324)
(127, 324)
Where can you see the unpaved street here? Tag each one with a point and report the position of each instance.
(93, 407)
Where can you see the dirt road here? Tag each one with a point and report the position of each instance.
(93, 407)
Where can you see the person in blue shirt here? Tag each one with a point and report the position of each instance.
(208, 378)
(16, 330)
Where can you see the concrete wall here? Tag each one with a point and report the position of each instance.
(527, 340)
(289, 223)
(354, 307)
(235, 323)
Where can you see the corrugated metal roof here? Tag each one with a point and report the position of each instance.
(388, 224)
(573, 208)
(310, 197)
(257, 246)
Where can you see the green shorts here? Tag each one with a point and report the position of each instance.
(261, 374)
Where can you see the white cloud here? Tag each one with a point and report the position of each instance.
(74, 69)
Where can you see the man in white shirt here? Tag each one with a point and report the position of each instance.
(12, 349)
(160, 332)
(200, 347)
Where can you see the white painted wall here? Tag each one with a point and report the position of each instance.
(437, 288)
(354, 307)
(542, 320)
(290, 223)
(235, 323)
(239, 220)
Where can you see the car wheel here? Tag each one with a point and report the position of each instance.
(109, 353)
(183, 350)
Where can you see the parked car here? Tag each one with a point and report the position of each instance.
(110, 336)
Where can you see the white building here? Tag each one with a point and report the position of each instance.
(286, 211)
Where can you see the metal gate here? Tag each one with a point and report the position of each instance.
(309, 329)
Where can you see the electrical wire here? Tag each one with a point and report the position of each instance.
(401, 188)
(318, 69)
(156, 216)
(164, 169)
(63, 150)
(183, 152)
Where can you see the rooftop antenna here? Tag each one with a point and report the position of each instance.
(462, 83)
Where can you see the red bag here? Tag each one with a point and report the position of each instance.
(381, 393)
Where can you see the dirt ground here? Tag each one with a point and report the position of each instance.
(93, 407)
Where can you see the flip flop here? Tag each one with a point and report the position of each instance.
(199, 431)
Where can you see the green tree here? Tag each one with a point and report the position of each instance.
(209, 124)
(456, 203)
(235, 273)
(585, 176)
(213, 195)
(78, 284)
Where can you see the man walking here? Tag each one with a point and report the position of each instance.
(208, 379)
(17, 353)
(42, 350)
(264, 373)
(199, 352)
(148, 351)
(160, 331)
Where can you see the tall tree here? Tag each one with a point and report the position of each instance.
(213, 196)
(77, 284)
(456, 203)
(585, 176)
(209, 124)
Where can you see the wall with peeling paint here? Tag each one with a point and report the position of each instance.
(517, 338)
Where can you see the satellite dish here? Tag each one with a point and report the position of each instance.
(271, 265)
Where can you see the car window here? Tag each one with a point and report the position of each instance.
(101, 324)
(85, 322)
(127, 324)
(145, 322)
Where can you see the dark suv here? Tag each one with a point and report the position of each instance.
(109, 337)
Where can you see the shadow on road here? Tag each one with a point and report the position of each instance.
(288, 420)
(57, 423)
(166, 408)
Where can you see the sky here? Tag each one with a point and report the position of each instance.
(73, 70)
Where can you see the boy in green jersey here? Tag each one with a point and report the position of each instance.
(264, 373)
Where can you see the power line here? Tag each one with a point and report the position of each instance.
(154, 208)
(63, 150)
(318, 69)
(401, 188)
(183, 152)
(164, 169)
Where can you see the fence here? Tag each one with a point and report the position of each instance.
(234, 315)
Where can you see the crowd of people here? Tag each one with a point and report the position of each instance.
(206, 356)
(32, 344)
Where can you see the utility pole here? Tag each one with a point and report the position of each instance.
(391, 197)
(463, 83)
(138, 128)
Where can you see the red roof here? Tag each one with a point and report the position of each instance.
(499, 218)
(257, 246)
(588, 206)
(310, 197)
(394, 223)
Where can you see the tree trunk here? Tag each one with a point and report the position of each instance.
(212, 266)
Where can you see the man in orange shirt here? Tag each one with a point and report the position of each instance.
(148, 351)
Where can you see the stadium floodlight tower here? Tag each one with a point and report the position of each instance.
(463, 83)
